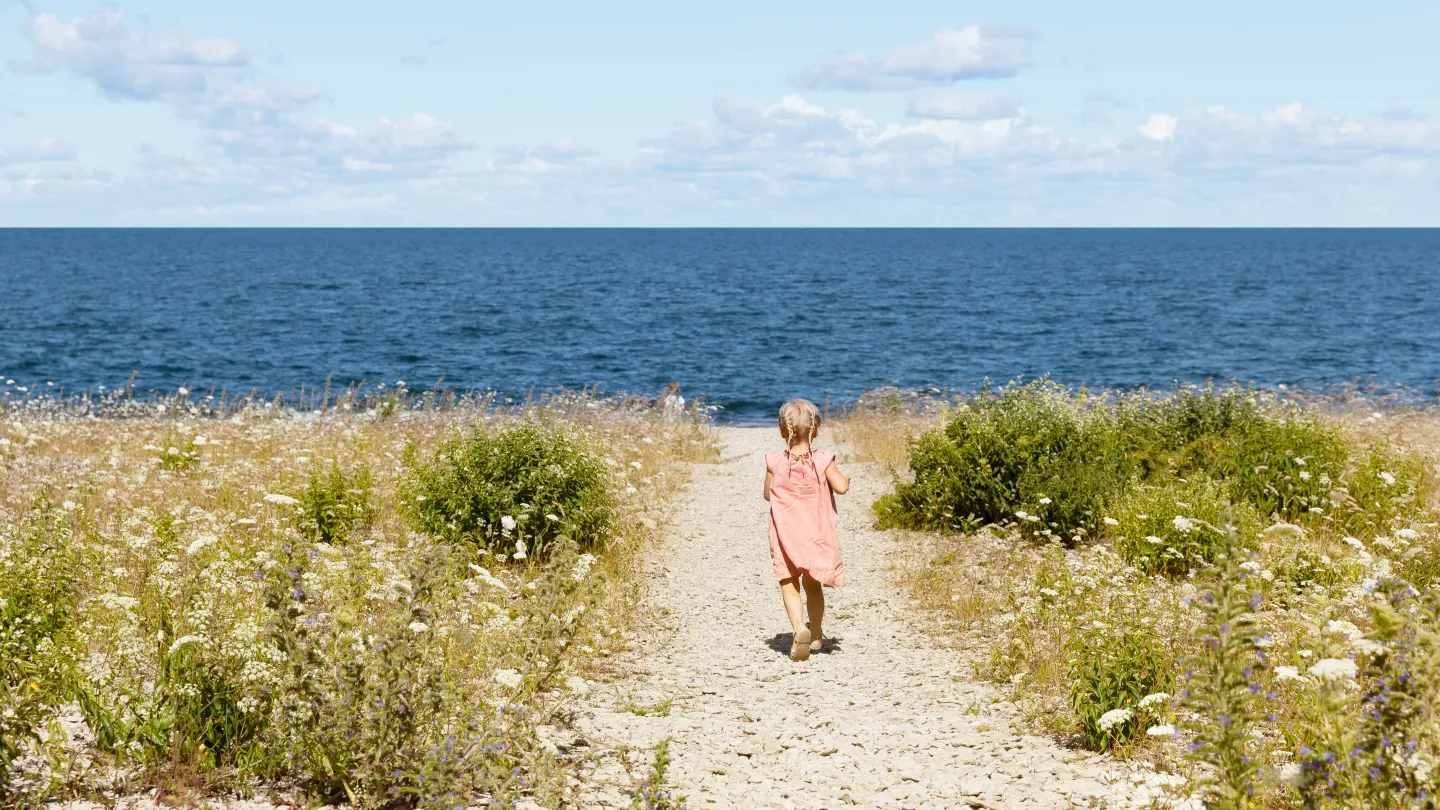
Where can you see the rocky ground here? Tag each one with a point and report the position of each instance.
(882, 717)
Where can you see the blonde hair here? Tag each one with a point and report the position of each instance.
(799, 421)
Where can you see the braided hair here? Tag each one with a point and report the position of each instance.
(799, 421)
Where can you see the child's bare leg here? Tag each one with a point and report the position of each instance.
(815, 602)
(790, 592)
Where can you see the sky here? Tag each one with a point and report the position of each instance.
(480, 114)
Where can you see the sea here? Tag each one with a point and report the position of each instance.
(743, 319)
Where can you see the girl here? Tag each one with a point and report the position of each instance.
(801, 485)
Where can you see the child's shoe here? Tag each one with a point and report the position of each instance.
(800, 647)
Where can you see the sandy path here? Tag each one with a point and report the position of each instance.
(879, 719)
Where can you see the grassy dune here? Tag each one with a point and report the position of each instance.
(378, 601)
(1236, 586)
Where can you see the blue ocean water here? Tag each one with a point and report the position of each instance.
(745, 317)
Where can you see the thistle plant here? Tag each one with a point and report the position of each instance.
(653, 793)
(1221, 685)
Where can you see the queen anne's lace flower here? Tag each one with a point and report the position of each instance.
(1150, 700)
(1165, 730)
(1334, 669)
(283, 500)
(509, 678)
(1113, 718)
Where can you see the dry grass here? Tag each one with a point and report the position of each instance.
(166, 515)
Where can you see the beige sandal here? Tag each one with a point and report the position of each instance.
(815, 644)
(800, 645)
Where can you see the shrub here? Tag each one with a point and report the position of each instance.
(1177, 525)
(1111, 673)
(1004, 453)
(37, 634)
(1285, 466)
(334, 504)
(521, 487)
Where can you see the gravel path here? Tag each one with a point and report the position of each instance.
(880, 718)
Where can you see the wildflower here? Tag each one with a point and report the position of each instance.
(1344, 628)
(507, 523)
(418, 627)
(582, 567)
(1388, 478)
(1406, 534)
(509, 678)
(283, 500)
(1304, 475)
(69, 506)
(549, 516)
(200, 543)
(1051, 592)
(1354, 543)
(1332, 669)
(637, 465)
(1165, 730)
(1183, 525)
(1251, 566)
(520, 549)
(1153, 540)
(1150, 700)
(183, 640)
(1109, 521)
(487, 578)
(1293, 775)
(1368, 646)
(1044, 501)
(1113, 718)
(1288, 674)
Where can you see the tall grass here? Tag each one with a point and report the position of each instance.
(246, 599)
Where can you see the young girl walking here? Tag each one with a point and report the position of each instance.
(801, 484)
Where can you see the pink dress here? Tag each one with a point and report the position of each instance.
(803, 523)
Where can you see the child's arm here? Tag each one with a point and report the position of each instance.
(769, 476)
(838, 482)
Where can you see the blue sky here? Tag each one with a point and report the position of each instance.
(640, 114)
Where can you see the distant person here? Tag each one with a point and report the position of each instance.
(801, 484)
(672, 405)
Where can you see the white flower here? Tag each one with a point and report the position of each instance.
(1406, 534)
(1251, 566)
(1344, 628)
(1355, 543)
(182, 391)
(1150, 700)
(1288, 674)
(1109, 521)
(582, 567)
(1051, 592)
(1332, 669)
(1113, 718)
(520, 549)
(1044, 501)
(549, 516)
(507, 523)
(487, 577)
(1388, 479)
(1183, 524)
(1153, 540)
(283, 500)
(509, 678)
(1293, 775)
(1304, 475)
(1165, 730)
(418, 627)
(637, 465)
(201, 542)
(183, 640)
(69, 506)
(1368, 646)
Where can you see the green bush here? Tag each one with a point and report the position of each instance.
(1113, 670)
(37, 628)
(1006, 453)
(1177, 525)
(518, 489)
(334, 504)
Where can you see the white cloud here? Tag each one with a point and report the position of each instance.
(45, 150)
(963, 107)
(128, 63)
(1159, 127)
(547, 158)
(261, 126)
(953, 54)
